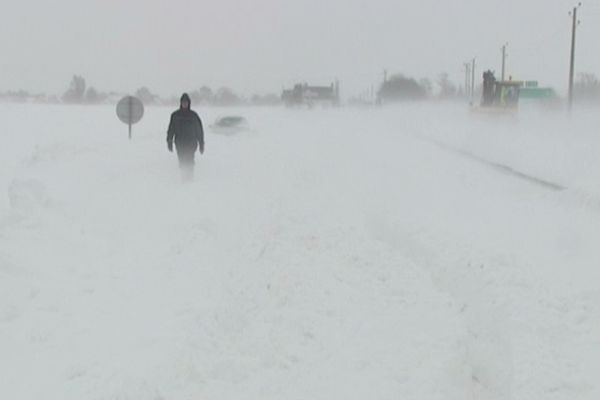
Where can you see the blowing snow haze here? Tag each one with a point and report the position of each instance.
(261, 45)
(417, 244)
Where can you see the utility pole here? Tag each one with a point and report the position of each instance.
(467, 79)
(504, 60)
(473, 81)
(572, 67)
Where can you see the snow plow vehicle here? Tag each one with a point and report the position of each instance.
(499, 97)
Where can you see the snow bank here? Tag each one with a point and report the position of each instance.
(323, 254)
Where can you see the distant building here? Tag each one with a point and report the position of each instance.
(305, 95)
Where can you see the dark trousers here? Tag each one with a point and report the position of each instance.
(186, 154)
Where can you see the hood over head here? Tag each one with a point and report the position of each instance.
(185, 97)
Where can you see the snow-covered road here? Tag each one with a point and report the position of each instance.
(326, 254)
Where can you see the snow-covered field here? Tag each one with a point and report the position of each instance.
(416, 252)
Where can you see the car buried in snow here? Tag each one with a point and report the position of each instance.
(229, 125)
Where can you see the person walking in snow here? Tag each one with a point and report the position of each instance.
(185, 129)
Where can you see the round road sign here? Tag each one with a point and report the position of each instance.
(130, 110)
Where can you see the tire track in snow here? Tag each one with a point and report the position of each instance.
(577, 196)
(503, 168)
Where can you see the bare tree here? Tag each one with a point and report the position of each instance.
(145, 95)
(76, 91)
(399, 87)
(447, 88)
(587, 87)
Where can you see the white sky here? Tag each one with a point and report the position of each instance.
(262, 45)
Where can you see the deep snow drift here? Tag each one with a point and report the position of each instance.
(397, 253)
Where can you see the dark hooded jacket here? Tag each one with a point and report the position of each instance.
(185, 128)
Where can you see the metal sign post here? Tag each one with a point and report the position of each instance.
(130, 110)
